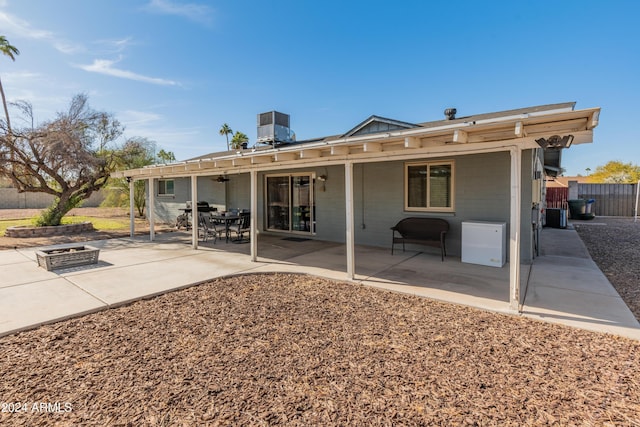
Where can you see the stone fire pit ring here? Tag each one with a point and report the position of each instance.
(67, 256)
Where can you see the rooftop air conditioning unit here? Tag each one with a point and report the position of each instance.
(273, 128)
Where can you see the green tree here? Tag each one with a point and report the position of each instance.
(616, 172)
(238, 139)
(66, 157)
(10, 51)
(136, 152)
(226, 131)
(166, 156)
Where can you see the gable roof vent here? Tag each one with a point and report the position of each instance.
(273, 128)
(450, 113)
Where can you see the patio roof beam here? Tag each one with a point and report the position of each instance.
(584, 137)
(412, 142)
(519, 130)
(222, 163)
(261, 160)
(398, 154)
(558, 127)
(339, 150)
(593, 120)
(285, 156)
(372, 147)
(460, 136)
(310, 154)
(240, 162)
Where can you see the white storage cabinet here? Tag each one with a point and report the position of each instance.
(484, 243)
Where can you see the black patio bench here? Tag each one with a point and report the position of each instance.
(424, 231)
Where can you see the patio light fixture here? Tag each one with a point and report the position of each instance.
(556, 141)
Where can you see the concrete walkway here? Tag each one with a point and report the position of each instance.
(563, 285)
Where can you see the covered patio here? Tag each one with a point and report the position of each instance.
(413, 272)
(511, 139)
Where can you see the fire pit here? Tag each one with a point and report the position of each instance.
(68, 256)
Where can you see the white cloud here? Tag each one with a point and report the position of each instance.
(12, 25)
(105, 66)
(194, 12)
(139, 118)
(120, 44)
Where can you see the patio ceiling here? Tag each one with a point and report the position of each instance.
(441, 138)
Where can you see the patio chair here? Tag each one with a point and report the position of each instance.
(183, 221)
(208, 228)
(242, 226)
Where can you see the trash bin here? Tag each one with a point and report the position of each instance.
(587, 208)
(577, 207)
(581, 209)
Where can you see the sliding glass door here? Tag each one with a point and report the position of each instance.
(290, 202)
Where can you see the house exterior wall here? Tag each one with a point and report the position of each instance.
(481, 183)
(482, 193)
(238, 191)
(167, 208)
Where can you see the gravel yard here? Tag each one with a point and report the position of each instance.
(298, 350)
(282, 349)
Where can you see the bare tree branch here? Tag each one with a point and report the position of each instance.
(68, 157)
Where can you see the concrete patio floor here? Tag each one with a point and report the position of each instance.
(563, 285)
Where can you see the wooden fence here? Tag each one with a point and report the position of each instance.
(557, 197)
(609, 199)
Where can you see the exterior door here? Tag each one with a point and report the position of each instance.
(290, 202)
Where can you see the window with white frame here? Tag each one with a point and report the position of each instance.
(429, 186)
(165, 187)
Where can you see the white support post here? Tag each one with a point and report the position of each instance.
(253, 219)
(514, 230)
(350, 238)
(194, 211)
(132, 217)
(151, 210)
(635, 213)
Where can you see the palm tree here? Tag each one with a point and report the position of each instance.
(11, 52)
(226, 131)
(238, 140)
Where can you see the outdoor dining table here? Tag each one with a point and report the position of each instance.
(228, 219)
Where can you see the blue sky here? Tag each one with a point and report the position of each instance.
(175, 71)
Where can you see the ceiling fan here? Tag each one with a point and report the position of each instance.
(222, 179)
